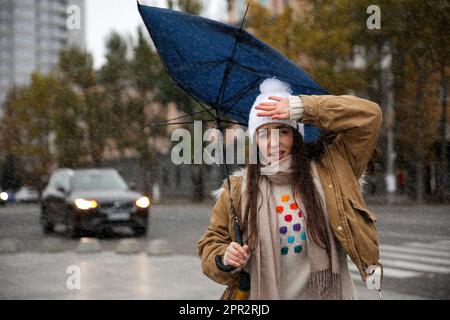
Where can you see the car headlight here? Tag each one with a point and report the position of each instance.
(4, 196)
(143, 202)
(84, 204)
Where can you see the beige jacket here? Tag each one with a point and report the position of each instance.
(357, 122)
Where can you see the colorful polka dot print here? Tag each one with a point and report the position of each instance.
(292, 226)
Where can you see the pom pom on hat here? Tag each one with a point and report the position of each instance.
(274, 85)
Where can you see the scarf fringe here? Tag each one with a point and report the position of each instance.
(325, 285)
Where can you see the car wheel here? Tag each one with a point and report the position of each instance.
(140, 232)
(47, 226)
(72, 229)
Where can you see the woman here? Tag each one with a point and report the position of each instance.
(301, 208)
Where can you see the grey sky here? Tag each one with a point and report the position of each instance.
(104, 16)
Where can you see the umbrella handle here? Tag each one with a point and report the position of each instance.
(219, 262)
(223, 267)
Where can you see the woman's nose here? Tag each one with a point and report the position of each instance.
(274, 139)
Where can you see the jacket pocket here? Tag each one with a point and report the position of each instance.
(363, 210)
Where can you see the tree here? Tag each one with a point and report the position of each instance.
(76, 68)
(114, 76)
(417, 66)
(141, 112)
(10, 174)
(31, 111)
(320, 40)
(439, 19)
(67, 116)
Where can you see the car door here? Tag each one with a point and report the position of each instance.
(48, 199)
(55, 198)
(65, 214)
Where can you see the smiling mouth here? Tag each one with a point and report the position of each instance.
(278, 155)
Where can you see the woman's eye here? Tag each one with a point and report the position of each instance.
(262, 135)
(284, 131)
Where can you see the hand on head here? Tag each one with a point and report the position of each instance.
(278, 110)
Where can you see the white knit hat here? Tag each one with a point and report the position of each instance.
(270, 87)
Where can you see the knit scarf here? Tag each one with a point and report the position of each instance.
(265, 264)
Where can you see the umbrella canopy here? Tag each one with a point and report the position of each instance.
(221, 65)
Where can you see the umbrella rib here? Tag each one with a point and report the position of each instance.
(227, 67)
(238, 112)
(245, 16)
(209, 62)
(193, 95)
(225, 76)
(234, 122)
(181, 56)
(241, 94)
(187, 115)
(190, 66)
(184, 122)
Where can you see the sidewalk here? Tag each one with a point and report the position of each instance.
(109, 275)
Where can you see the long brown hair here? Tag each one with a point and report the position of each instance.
(302, 183)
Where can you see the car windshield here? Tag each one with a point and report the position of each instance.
(107, 180)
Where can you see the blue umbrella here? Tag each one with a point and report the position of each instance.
(220, 65)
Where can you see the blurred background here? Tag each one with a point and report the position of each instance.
(81, 87)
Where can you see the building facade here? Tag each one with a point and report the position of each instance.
(32, 32)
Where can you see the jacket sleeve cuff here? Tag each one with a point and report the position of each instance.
(225, 263)
(311, 109)
(296, 108)
(237, 269)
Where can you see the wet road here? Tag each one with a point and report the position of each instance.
(415, 249)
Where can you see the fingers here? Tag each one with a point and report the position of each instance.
(267, 104)
(236, 255)
(275, 115)
(265, 108)
(238, 250)
(283, 116)
(233, 262)
(267, 113)
(275, 98)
